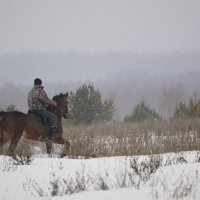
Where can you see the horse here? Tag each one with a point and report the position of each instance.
(16, 125)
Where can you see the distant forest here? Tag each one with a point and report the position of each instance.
(162, 81)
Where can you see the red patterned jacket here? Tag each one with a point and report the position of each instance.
(38, 99)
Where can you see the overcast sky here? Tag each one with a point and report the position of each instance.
(63, 27)
(137, 26)
(67, 41)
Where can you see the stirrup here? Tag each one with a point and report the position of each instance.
(54, 136)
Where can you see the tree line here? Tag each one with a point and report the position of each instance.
(87, 106)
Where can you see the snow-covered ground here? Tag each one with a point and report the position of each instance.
(171, 176)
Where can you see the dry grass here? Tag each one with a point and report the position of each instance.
(124, 139)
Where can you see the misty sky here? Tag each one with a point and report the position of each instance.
(91, 27)
(131, 49)
(100, 25)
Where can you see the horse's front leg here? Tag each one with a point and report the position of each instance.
(66, 150)
(66, 144)
(49, 147)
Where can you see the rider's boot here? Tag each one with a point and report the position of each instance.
(53, 132)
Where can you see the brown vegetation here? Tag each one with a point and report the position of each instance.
(125, 139)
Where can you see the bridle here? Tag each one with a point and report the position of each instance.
(61, 108)
(65, 111)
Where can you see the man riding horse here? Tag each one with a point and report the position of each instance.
(15, 125)
(37, 104)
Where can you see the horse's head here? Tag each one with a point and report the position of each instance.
(62, 104)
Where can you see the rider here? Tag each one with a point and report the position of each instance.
(38, 102)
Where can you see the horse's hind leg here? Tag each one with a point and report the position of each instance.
(2, 142)
(13, 144)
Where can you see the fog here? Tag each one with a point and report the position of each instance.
(137, 26)
(129, 49)
(161, 80)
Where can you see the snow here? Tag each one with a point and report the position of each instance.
(75, 179)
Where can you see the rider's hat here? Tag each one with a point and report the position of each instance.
(38, 81)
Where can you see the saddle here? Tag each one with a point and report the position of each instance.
(42, 119)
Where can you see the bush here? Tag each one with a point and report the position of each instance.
(142, 112)
(190, 110)
(11, 107)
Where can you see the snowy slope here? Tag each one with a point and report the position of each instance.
(178, 176)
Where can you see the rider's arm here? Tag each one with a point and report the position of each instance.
(44, 98)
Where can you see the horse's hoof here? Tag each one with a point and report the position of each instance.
(62, 155)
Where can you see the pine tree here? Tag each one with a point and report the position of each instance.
(142, 112)
(87, 106)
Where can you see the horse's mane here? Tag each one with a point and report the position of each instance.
(57, 97)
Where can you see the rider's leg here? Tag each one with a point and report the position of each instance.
(52, 118)
(53, 129)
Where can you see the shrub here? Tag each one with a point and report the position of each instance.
(11, 107)
(190, 110)
(142, 112)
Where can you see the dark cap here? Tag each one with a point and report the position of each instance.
(38, 81)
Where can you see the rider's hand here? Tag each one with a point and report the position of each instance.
(54, 103)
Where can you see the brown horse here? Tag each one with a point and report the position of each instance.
(15, 125)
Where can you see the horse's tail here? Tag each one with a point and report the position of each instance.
(2, 115)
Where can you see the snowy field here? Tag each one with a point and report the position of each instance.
(165, 176)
